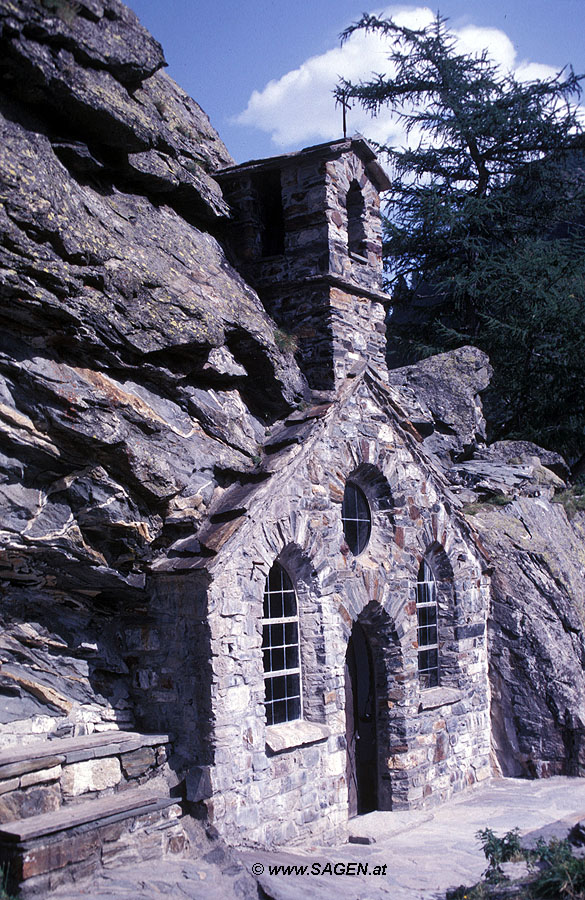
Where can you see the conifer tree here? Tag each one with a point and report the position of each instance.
(485, 226)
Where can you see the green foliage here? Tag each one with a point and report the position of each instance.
(573, 499)
(472, 509)
(563, 877)
(4, 892)
(499, 850)
(484, 234)
(556, 873)
(286, 342)
(560, 875)
(66, 10)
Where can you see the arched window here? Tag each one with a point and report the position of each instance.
(427, 631)
(356, 518)
(355, 206)
(280, 647)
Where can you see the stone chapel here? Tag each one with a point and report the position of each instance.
(338, 603)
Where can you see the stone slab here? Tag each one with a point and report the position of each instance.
(65, 746)
(40, 776)
(9, 785)
(120, 805)
(110, 749)
(12, 770)
(295, 734)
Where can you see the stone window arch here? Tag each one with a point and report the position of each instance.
(356, 211)
(281, 648)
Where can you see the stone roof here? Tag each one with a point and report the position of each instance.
(326, 150)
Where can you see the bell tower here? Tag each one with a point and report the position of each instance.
(306, 234)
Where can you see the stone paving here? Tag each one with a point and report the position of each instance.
(418, 854)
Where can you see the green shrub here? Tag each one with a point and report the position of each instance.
(287, 343)
(4, 893)
(499, 850)
(66, 10)
(573, 499)
(472, 509)
(563, 875)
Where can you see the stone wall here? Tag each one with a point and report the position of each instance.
(283, 783)
(335, 330)
(313, 186)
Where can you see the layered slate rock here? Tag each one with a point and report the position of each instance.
(536, 635)
(147, 428)
(441, 397)
(137, 370)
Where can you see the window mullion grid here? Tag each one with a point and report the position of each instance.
(293, 703)
(426, 599)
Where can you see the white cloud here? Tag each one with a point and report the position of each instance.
(299, 108)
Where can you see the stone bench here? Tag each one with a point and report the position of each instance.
(42, 777)
(41, 852)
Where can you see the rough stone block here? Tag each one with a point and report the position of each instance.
(138, 761)
(23, 804)
(91, 775)
(177, 843)
(42, 775)
(40, 859)
(9, 785)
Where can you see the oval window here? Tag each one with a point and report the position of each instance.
(356, 518)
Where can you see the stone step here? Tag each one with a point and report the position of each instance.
(42, 777)
(131, 802)
(28, 757)
(59, 847)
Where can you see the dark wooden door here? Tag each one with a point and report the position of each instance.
(362, 756)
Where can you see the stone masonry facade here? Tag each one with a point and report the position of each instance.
(283, 783)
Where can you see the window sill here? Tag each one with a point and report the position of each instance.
(295, 734)
(357, 257)
(432, 698)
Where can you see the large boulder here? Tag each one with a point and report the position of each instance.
(441, 397)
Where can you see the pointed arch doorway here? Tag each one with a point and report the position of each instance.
(361, 732)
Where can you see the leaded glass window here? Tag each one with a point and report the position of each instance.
(427, 631)
(356, 518)
(280, 648)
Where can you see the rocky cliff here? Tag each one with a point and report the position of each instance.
(512, 494)
(137, 370)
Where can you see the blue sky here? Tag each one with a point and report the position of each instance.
(288, 54)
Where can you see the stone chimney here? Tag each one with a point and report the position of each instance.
(306, 234)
